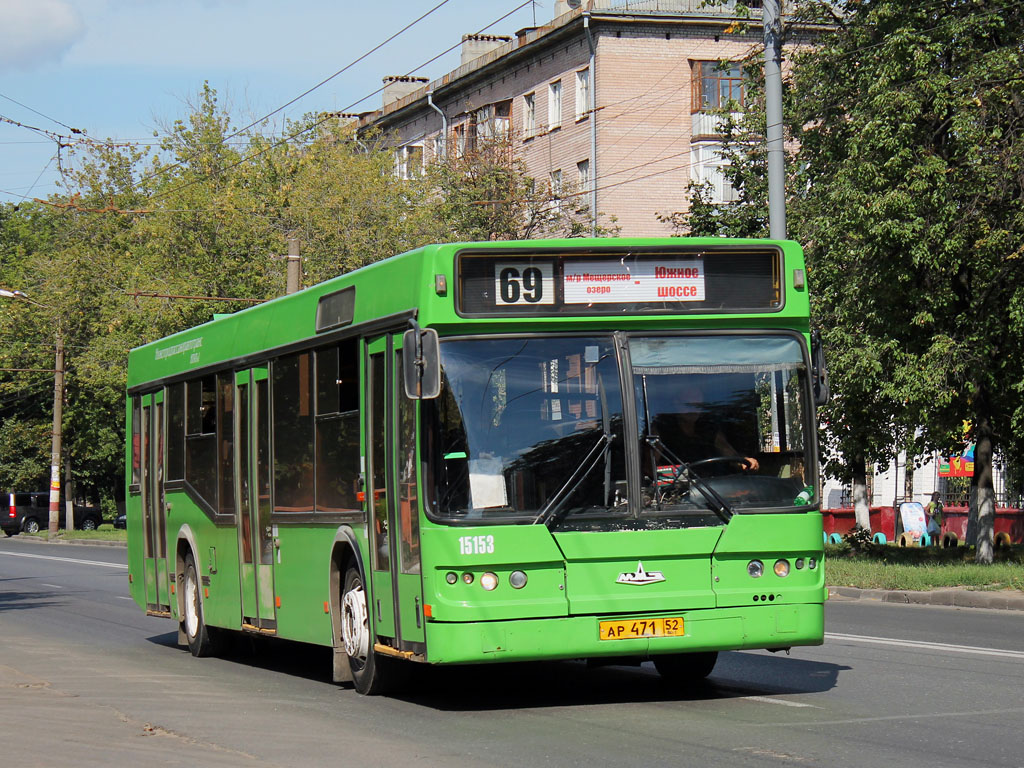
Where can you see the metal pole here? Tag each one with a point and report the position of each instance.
(772, 19)
(294, 266)
(55, 445)
(592, 106)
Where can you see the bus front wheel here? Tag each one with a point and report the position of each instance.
(201, 639)
(355, 633)
(686, 668)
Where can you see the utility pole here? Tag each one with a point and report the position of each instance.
(55, 445)
(294, 266)
(772, 20)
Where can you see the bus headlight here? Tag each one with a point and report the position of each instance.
(782, 568)
(489, 581)
(517, 579)
(755, 568)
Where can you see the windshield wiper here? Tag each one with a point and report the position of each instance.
(552, 513)
(712, 499)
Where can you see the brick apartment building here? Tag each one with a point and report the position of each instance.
(612, 98)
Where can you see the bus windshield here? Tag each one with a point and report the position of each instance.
(729, 410)
(533, 429)
(519, 417)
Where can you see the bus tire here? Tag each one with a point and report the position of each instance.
(686, 668)
(201, 639)
(367, 670)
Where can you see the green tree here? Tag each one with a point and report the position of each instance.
(911, 152)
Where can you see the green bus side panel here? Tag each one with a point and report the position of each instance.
(133, 521)
(410, 612)
(765, 626)
(794, 537)
(302, 579)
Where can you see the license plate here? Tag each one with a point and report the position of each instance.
(666, 626)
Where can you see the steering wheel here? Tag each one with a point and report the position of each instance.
(719, 459)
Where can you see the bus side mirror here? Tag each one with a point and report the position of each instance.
(819, 371)
(421, 364)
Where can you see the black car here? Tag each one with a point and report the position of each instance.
(30, 512)
(121, 521)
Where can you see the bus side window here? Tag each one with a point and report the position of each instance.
(337, 427)
(292, 395)
(201, 438)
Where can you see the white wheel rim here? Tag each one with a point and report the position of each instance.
(191, 605)
(355, 631)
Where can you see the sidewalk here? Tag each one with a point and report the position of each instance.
(959, 598)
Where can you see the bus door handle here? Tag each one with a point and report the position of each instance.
(419, 614)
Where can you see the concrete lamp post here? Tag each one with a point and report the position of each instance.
(58, 415)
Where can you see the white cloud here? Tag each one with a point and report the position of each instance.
(36, 32)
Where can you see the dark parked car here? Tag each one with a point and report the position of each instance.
(30, 512)
(121, 521)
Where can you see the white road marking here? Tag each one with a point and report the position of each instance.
(783, 702)
(924, 645)
(122, 597)
(54, 586)
(67, 560)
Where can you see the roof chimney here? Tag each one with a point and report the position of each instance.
(399, 86)
(564, 6)
(475, 46)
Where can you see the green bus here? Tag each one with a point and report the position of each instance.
(484, 452)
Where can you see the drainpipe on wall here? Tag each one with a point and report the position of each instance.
(444, 124)
(593, 125)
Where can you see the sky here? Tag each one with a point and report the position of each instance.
(122, 69)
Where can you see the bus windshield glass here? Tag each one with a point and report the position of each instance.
(729, 410)
(517, 419)
(533, 430)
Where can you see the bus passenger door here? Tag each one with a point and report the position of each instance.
(392, 500)
(154, 510)
(252, 477)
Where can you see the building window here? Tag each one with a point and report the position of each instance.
(706, 167)
(459, 140)
(583, 175)
(409, 161)
(529, 115)
(556, 191)
(554, 104)
(583, 96)
(493, 122)
(717, 85)
(438, 146)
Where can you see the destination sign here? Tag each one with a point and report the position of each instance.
(601, 282)
(665, 280)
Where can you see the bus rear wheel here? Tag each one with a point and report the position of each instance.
(686, 668)
(201, 639)
(366, 666)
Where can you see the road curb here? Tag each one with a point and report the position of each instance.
(83, 542)
(957, 598)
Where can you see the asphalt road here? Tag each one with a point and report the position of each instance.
(87, 680)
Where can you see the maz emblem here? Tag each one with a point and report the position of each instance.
(641, 576)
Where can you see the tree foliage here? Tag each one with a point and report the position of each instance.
(208, 213)
(906, 189)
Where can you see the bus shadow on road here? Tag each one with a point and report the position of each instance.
(575, 683)
(484, 687)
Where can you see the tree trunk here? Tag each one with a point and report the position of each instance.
(861, 506)
(972, 509)
(986, 495)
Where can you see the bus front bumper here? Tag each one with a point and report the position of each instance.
(579, 637)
